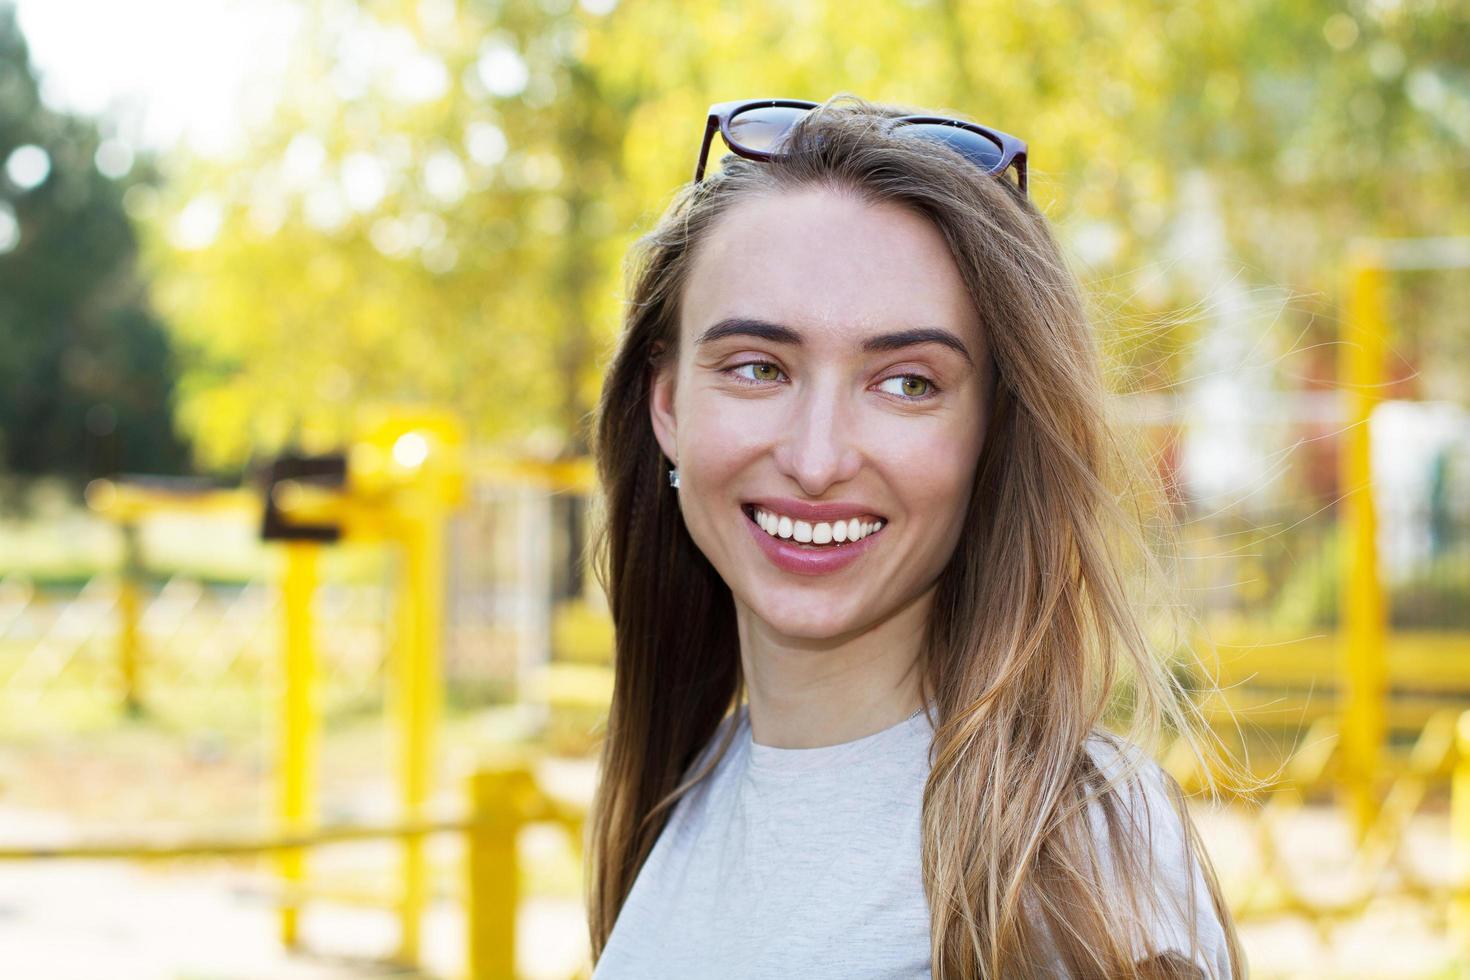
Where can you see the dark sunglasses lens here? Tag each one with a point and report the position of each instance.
(762, 127)
(984, 151)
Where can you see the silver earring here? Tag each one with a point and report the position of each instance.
(674, 477)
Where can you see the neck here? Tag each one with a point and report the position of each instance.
(810, 693)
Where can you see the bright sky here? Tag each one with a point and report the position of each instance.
(161, 70)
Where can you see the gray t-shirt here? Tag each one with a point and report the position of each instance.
(806, 863)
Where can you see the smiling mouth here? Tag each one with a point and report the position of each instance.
(813, 535)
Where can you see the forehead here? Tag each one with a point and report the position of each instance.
(830, 265)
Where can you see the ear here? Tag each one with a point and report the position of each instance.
(661, 403)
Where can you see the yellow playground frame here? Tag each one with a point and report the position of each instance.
(406, 475)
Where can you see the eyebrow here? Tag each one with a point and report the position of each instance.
(777, 333)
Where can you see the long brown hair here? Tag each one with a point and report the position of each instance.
(1022, 667)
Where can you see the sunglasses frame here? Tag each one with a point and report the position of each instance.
(1012, 149)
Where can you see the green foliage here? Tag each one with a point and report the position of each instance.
(440, 203)
(85, 365)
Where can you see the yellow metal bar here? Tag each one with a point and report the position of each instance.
(130, 613)
(302, 503)
(492, 885)
(575, 685)
(578, 475)
(1361, 603)
(211, 847)
(130, 502)
(417, 683)
(298, 745)
(1267, 710)
(1460, 838)
(1424, 660)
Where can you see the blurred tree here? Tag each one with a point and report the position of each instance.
(440, 203)
(85, 366)
(424, 217)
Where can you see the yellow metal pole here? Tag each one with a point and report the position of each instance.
(417, 683)
(493, 877)
(408, 462)
(1460, 839)
(1363, 615)
(130, 613)
(297, 750)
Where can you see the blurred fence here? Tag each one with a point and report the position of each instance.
(517, 598)
(209, 650)
(1281, 567)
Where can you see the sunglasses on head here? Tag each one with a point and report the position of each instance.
(753, 128)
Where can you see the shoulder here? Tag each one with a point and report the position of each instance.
(1149, 810)
(1132, 778)
(1146, 800)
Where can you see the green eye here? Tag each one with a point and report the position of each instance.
(913, 386)
(760, 371)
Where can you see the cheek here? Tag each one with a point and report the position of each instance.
(930, 468)
(718, 436)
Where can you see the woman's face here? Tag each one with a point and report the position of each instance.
(831, 371)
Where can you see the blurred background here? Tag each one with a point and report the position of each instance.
(303, 310)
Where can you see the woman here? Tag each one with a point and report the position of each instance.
(869, 569)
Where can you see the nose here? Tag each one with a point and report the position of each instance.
(818, 448)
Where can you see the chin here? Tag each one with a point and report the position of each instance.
(807, 623)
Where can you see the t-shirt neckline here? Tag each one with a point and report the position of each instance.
(771, 759)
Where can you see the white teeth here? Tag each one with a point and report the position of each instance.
(819, 533)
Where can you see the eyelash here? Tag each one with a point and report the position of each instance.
(934, 388)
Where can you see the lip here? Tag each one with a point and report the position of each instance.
(800, 511)
(789, 556)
